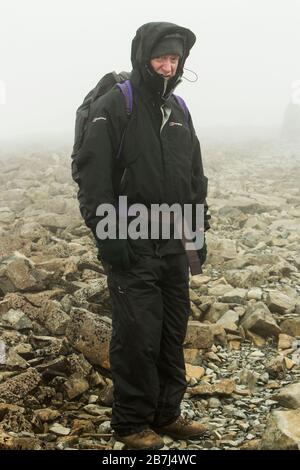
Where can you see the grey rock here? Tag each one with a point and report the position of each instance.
(54, 318)
(259, 319)
(279, 302)
(16, 319)
(199, 335)
(18, 387)
(60, 430)
(245, 278)
(254, 293)
(75, 385)
(17, 273)
(216, 311)
(236, 296)
(289, 396)
(223, 248)
(86, 331)
(291, 326)
(282, 431)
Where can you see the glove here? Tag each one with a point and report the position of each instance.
(202, 253)
(117, 252)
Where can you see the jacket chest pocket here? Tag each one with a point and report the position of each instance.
(179, 143)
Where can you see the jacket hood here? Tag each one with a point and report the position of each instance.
(148, 36)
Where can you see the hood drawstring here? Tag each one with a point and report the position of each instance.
(191, 71)
(165, 87)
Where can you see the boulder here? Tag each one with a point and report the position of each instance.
(18, 273)
(54, 318)
(259, 319)
(282, 431)
(90, 334)
(279, 302)
(289, 396)
(291, 326)
(16, 319)
(234, 296)
(224, 387)
(199, 335)
(285, 341)
(16, 388)
(245, 278)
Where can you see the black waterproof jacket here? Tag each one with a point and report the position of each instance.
(161, 156)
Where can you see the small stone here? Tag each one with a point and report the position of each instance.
(285, 341)
(47, 414)
(93, 399)
(214, 403)
(254, 293)
(16, 319)
(282, 431)
(279, 302)
(291, 326)
(60, 430)
(243, 425)
(96, 410)
(276, 367)
(194, 371)
(104, 428)
(192, 381)
(199, 280)
(257, 354)
(257, 340)
(289, 396)
(234, 345)
(119, 446)
(289, 364)
(75, 385)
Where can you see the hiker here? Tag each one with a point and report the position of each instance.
(159, 161)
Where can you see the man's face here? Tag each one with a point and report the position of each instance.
(165, 65)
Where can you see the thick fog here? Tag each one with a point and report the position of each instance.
(53, 52)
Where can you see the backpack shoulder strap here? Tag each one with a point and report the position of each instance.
(126, 89)
(183, 105)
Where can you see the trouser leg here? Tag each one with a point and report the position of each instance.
(171, 364)
(137, 321)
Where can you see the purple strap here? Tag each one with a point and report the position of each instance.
(183, 105)
(126, 89)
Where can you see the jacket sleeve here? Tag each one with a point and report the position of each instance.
(96, 160)
(199, 180)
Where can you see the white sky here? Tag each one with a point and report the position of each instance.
(52, 52)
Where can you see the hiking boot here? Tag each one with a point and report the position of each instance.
(182, 428)
(146, 439)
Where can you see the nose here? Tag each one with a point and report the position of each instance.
(167, 66)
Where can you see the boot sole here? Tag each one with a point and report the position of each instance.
(179, 437)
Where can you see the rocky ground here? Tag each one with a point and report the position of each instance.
(243, 343)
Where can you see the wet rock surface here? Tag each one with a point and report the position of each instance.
(242, 349)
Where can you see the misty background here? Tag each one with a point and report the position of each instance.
(53, 52)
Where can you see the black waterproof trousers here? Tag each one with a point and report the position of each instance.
(151, 306)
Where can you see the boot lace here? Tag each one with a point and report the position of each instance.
(145, 432)
(185, 421)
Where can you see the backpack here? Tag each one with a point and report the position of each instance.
(107, 82)
(82, 114)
